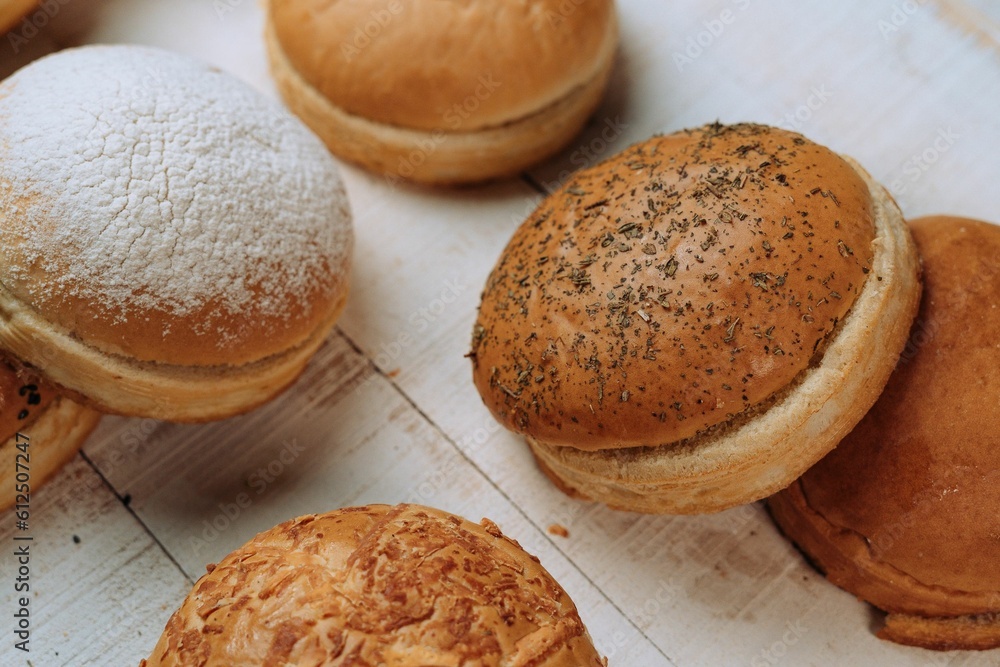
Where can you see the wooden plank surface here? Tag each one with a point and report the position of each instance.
(387, 411)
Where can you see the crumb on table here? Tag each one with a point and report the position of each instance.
(556, 529)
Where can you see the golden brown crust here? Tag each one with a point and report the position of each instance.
(439, 156)
(191, 339)
(672, 288)
(406, 586)
(411, 71)
(121, 385)
(964, 633)
(49, 439)
(903, 512)
(211, 334)
(11, 11)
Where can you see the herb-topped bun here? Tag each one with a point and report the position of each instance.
(693, 323)
(903, 513)
(172, 244)
(40, 431)
(443, 92)
(406, 586)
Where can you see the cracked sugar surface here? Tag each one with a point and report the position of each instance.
(139, 180)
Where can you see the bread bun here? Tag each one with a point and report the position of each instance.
(692, 323)
(443, 92)
(40, 431)
(172, 244)
(903, 513)
(403, 586)
(12, 11)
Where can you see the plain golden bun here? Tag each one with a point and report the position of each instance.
(903, 513)
(403, 586)
(443, 92)
(12, 11)
(40, 431)
(179, 257)
(693, 323)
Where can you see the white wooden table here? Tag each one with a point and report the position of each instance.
(387, 411)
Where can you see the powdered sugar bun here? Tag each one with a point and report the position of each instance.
(173, 244)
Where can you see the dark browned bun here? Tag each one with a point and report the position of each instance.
(40, 431)
(903, 513)
(672, 295)
(407, 586)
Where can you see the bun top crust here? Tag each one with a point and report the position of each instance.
(918, 477)
(23, 397)
(406, 586)
(160, 209)
(448, 66)
(672, 287)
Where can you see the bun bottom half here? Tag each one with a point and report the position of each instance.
(439, 157)
(53, 438)
(845, 558)
(763, 451)
(116, 384)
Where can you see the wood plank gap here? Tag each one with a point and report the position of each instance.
(128, 508)
(535, 185)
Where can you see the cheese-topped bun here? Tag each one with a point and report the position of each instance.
(11, 11)
(443, 92)
(406, 586)
(40, 431)
(691, 324)
(172, 244)
(903, 513)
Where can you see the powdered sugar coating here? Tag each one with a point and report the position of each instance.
(145, 181)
